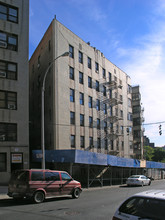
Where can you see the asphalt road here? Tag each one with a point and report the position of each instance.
(93, 204)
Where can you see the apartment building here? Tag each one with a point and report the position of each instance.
(14, 87)
(138, 119)
(87, 98)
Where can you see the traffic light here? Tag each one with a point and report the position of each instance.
(160, 130)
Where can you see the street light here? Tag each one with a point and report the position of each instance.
(42, 109)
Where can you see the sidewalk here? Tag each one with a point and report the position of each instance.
(3, 192)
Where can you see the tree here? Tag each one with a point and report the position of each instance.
(159, 155)
(148, 153)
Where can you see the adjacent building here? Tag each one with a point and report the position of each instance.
(138, 120)
(88, 101)
(14, 86)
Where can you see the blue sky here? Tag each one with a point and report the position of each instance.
(130, 33)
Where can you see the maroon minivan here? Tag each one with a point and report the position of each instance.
(40, 184)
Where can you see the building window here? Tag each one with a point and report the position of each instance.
(72, 141)
(81, 98)
(97, 86)
(90, 102)
(112, 145)
(122, 129)
(105, 126)
(129, 89)
(8, 70)
(98, 143)
(98, 104)
(105, 108)
(110, 93)
(71, 51)
(122, 145)
(82, 142)
(8, 13)
(111, 111)
(106, 144)
(129, 102)
(71, 73)
(121, 113)
(8, 41)
(104, 73)
(90, 122)
(72, 118)
(71, 95)
(90, 142)
(129, 116)
(3, 162)
(89, 82)
(104, 90)
(81, 78)
(8, 100)
(110, 77)
(96, 67)
(80, 57)
(89, 63)
(81, 120)
(8, 132)
(98, 123)
(116, 111)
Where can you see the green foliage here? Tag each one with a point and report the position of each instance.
(148, 153)
(156, 154)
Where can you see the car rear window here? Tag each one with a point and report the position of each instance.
(20, 175)
(144, 208)
(134, 177)
(37, 176)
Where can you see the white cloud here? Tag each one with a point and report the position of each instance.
(146, 66)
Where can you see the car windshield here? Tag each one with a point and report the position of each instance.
(144, 208)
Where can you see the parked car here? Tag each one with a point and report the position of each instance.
(143, 205)
(139, 180)
(40, 184)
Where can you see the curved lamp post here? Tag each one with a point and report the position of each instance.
(42, 109)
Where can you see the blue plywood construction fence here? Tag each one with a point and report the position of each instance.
(91, 158)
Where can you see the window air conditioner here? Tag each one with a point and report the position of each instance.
(2, 74)
(11, 106)
(3, 44)
(2, 137)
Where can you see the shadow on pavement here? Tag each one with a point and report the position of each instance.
(12, 202)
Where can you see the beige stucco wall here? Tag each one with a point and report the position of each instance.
(20, 116)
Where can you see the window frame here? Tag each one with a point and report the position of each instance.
(80, 57)
(9, 102)
(8, 14)
(5, 69)
(72, 141)
(6, 40)
(71, 73)
(3, 162)
(81, 98)
(71, 51)
(8, 130)
(72, 95)
(81, 78)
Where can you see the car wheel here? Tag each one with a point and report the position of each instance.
(76, 193)
(142, 184)
(39, 197)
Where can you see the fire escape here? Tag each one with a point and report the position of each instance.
(115, 131)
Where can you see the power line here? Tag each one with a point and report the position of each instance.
(154, 123)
